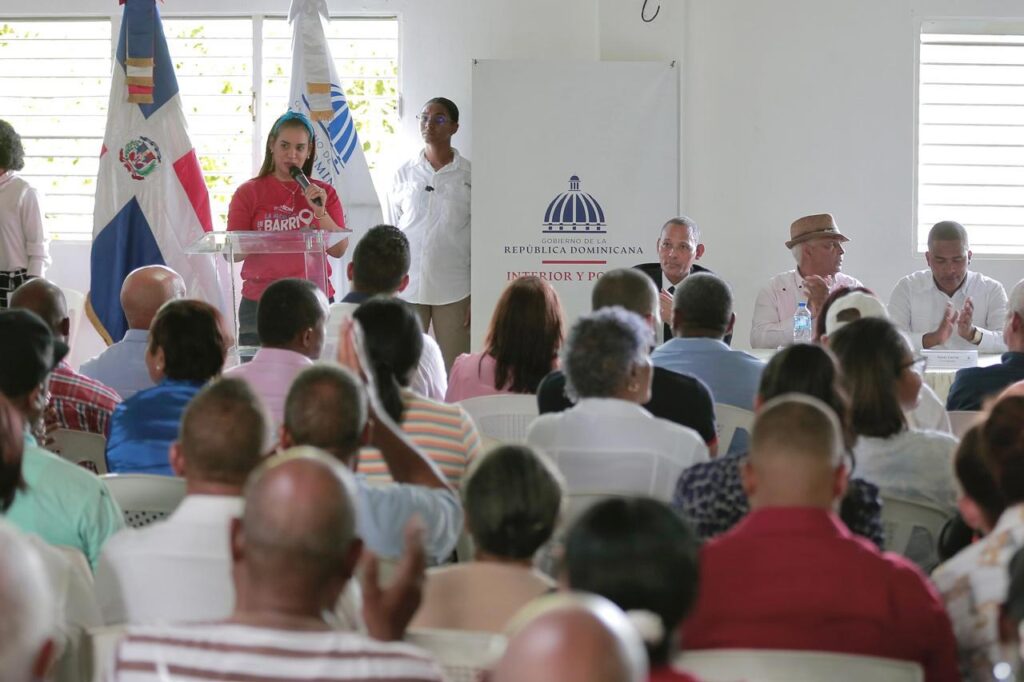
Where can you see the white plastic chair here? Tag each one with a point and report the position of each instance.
(963, 420)
(900, 518)
(76, 312)
(465, 656)
(591, 474)
(749, 665)
(728, 419)
(145, 498)
(102, 646)
(87, 450)
(505, 418)
(77, 560)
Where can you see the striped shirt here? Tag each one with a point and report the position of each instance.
(81, 403)
(227, 651)
(445, 433)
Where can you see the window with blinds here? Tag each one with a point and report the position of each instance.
(971, 138)
(233, 76)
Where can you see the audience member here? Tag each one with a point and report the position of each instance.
(69, 584)
(328, 409)
(512, 499)
(122, 366)
(60, 502)
(380, 267)
(980, 501)
(608, 368)
(678, 247)
(791, 576)
(974, 582)
(572, 638)
(293, 552)
(179, 569)
(884, 379)
(817, 245)
(290, 319)
(701, 316)
(186, 349)
(522, 344)
(76, 401)
(844, 305)
(680, 398)
(711, 496)
(639, 554)
(28, 627)
(445, 433)
(938, 307)
(973, 385)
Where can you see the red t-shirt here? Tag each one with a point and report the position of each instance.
(269, 205)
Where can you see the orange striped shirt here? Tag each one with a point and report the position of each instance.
(445, 433)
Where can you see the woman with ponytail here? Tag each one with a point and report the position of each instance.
(393, 340)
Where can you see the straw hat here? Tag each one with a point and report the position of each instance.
(820, 226)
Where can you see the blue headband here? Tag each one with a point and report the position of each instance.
(294, 116)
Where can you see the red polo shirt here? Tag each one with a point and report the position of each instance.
(796, 578)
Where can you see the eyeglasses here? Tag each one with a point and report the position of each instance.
(917, 365)
(436, 119)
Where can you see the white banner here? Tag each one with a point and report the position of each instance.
(575, 169)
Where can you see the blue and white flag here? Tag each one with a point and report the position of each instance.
(151, 201)
(316, 91)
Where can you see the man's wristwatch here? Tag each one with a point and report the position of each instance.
(976, 337)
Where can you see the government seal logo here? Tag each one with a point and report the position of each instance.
(140, 157)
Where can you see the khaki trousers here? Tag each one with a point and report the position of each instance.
(449, 327)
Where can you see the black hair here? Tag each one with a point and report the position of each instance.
(188, 331)
(380, 260)
(286, 308)
(393, 343)
(12, 153)
(453, 111)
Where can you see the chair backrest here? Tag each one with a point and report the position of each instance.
(76, 311)
(729, 418)
(504, 417)
(145, 498)
(77, 560)
(88, 450)
(962, 420)
(912, 528)
(465, 656)
(732, 665)
(591, 472)
(102, 646)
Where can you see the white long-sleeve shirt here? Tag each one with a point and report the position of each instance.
(437, 223)
(23, 242)
(916, 306)
(772, 325)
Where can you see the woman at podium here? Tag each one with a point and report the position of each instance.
(282, 198)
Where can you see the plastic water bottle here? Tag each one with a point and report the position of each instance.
(802, 324)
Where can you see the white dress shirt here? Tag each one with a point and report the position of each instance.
(916, 306)
(777, 302)
(436, 221)
(122, 366)
(430, 379)
(23, 242)
(973, 584)
(608, 425)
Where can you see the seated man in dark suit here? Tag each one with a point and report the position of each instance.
(678, 246)
(974, 384)
(681, 398)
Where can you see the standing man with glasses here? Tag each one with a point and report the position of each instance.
(429, 201)
(678, 248)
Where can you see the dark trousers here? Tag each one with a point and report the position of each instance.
(247, 335)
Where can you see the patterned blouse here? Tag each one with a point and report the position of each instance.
(710, 495)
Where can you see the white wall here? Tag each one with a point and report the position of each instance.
(804, 106)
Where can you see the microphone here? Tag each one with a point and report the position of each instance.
(303, 181)
(429, 188)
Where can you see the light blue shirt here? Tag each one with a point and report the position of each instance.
(122, 366)
(63, 503)
(384, 511)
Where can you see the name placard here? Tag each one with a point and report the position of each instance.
(950, 359)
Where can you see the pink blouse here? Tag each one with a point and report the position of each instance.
(472, 375)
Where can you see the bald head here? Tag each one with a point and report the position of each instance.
(628, 288)
(46, 300)
(796, 453)
(297, 535)
(573, 638)
(146, 289)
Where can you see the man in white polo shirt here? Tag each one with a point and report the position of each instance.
(948, 307)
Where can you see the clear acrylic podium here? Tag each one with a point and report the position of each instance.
(234, 246)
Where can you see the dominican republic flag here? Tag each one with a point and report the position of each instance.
(151, 201)
(316, 91)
